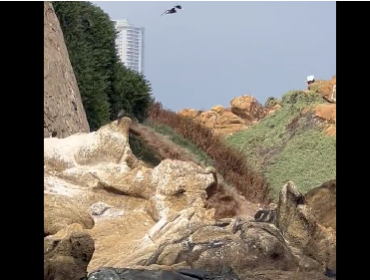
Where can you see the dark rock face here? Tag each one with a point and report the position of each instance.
(138, 274)
(196, 274)
(331, 273)
(67, 256)
(266, 216)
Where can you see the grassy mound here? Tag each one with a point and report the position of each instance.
(289, 145)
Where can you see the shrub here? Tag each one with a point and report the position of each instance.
(177, 139)
(105, 84)
(271, 102)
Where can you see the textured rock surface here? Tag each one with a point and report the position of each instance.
(61, 211)
(298, 223)
(244, 111)
(156, 219)
(325, 88)
(63, 109)
(134, 274)
(327, 113)
(334, 93)
(323, 202)
(67, 253)
(221, 120)
(272, 109)
(247, 107)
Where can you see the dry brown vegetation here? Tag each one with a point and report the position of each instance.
(231, 164)
(159, 146)
(219, 197)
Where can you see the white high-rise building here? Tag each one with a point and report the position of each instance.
(130, 45)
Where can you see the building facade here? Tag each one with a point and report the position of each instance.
(130, 45)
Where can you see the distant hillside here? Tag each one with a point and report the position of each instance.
(288, 139)
(291, 143)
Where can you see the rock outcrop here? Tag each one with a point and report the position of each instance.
(323, 202)
(271, 105)
(61, 211)
(221, 120)
(328, 113)
(334, 93)
(325, 115)
(326, 88)
(67, 253)
(155, 220)
(248, 108)
(64, 113)
(244, 111)
(302, 222)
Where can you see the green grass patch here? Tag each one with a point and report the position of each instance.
(180, 141)
(308, 159)
(286, 145)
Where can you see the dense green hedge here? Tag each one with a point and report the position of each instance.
(105, 84)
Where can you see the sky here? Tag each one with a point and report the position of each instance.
(212, 52)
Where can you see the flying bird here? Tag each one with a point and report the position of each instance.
(172, 10)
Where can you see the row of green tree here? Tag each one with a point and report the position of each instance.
(105, 84)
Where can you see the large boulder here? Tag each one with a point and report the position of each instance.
(64, 113)
(247, 107)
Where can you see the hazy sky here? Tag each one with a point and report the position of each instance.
(211, 52)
